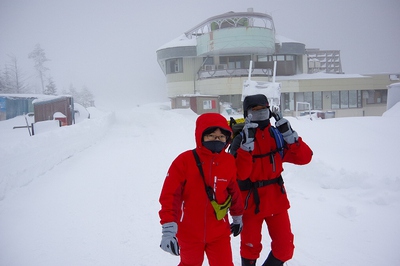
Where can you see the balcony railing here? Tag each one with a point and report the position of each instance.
(218, 72)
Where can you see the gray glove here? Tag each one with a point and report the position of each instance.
(289, 135)
(248, 134)
(236, 225)
(169, 243)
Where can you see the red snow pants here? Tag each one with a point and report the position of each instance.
(219, 252)
(279, 230)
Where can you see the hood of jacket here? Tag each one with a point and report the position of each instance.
(210, 120)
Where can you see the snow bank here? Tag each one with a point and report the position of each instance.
(27, 157)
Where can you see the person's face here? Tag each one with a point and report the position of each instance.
(216, 135)
(258, 107)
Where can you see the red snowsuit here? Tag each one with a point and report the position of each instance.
(184, 200)
(274, 203)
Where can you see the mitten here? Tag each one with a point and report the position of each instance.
(248, 134)
(236, 225)
(288, 134)
(169, 243)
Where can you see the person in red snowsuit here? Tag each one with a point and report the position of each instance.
(190, 226)
(259, 165)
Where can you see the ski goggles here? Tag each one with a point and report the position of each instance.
(221, 209)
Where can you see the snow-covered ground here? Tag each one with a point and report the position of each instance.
(87, 194)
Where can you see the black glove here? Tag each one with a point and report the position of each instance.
(275, 113)
(236, 225)
(289, 135)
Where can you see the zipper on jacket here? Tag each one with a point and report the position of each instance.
(182, 210)
(246, 202)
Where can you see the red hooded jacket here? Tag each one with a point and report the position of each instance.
(272, 200)
(183, 197)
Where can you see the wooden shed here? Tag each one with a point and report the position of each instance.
(46, 109)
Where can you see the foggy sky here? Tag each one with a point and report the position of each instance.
(110, 46)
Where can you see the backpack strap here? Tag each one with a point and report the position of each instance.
(209, 191)
(278, 139)
(252, 187)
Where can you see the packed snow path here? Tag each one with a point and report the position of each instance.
(88, 194)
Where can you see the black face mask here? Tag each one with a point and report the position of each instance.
(215, 146)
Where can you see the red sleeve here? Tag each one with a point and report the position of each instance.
(171, 193)
(244, 164)
(237, 207)
(298, 153)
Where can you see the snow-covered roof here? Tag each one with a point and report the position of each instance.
(180, 41)
(195, 95)
(319, 75)
(281, 39)
(50, 98)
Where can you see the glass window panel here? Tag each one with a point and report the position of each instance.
(300, 98)
(308, 98)
(280, 58)
(318, 100)
(335, 100)
(384, 96)
(262, 59)
(207, 105)
(209, 61)
(344, 99)
(353, 99)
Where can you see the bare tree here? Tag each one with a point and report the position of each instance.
(2, 83)
(39, 57)
(17, 80)
(6, 84)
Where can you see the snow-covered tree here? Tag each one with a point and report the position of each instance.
(83, 97)
(39, 57)
(86, 97)
(50, 87)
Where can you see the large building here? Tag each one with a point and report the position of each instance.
(212, 60)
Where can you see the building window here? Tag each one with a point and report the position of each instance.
(271, 58)
(353, 99)
(346, 99)
(174, 66)
(335, 100)
(287, 101)
(289, 58)
(209, 104)
(313, 98)
(377, 96)
(185, 103)
(317, 100)
(235, 62)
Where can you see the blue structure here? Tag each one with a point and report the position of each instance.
(12, 105)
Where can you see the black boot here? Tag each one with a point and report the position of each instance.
(272, 261)
(248, 262)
